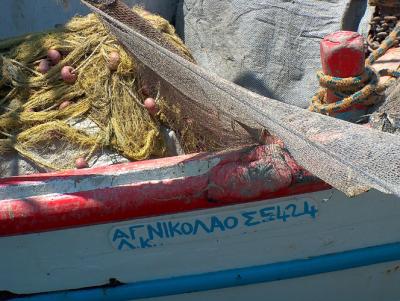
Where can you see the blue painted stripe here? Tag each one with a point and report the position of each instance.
(230, 278)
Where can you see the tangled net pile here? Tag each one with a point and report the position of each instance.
(33, 123)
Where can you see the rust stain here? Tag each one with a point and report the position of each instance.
(394, 269)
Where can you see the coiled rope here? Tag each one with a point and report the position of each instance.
(365, 85)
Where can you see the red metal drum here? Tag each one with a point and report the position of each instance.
(343, 55)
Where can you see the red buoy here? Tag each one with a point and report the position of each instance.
(342, 55)
(64, 104)
(81, 163)
(151, 105)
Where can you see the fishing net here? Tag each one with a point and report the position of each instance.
(104, 114)
(387, 116)
(350, 157)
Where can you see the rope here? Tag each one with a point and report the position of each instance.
(365, 85)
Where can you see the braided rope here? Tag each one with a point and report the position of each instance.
(364, 85)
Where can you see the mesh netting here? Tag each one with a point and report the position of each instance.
(52, 123)
(350, 157)
(387, 116)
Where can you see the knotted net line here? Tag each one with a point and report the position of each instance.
(350, 157)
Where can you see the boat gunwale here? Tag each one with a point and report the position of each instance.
(73, 206)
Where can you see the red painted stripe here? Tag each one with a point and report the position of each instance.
(117, 204)
(235, 173)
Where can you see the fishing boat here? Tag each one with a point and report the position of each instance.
(154, 229)
(247, 223)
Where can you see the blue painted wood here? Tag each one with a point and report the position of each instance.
(230, 278)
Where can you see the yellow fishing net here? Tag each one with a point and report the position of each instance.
(33, 123)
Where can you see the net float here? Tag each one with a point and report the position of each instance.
(113, 61)
(151, 105)
(81, 163)
(68, 74)
(54, 56)
(64, 104)
(44, 66)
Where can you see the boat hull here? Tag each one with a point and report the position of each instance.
(375, 282)
(356, 239)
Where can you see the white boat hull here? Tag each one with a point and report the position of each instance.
(90, 256)
(372, 283)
